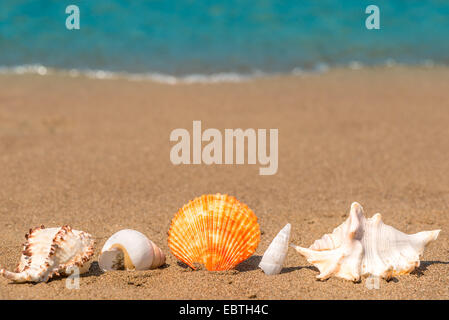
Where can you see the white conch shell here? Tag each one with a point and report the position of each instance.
(362, 247)
(274, 256)
(131, 250)
(52, 251)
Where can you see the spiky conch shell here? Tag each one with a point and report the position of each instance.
(217, 231)
(51, 252)
(361, 247)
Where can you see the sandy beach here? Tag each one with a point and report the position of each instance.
(95, 154)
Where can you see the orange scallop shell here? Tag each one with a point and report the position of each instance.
(216, 230)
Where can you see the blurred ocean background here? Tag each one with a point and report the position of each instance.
(225, 39)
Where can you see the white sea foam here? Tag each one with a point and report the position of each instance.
(355, 65)
(25, 69)
(42, 70)
(224, 77)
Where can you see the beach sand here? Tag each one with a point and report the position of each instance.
(95, 154)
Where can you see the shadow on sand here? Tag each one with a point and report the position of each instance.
(423, 267)
(252, 264)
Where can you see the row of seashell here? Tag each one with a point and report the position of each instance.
(357, 248)
(50, 252)
(219, 232)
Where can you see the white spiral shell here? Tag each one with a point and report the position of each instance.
(130, 250)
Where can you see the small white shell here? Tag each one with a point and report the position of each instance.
(130, 250)
(274, 257)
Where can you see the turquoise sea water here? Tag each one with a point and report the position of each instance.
(228, 36)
